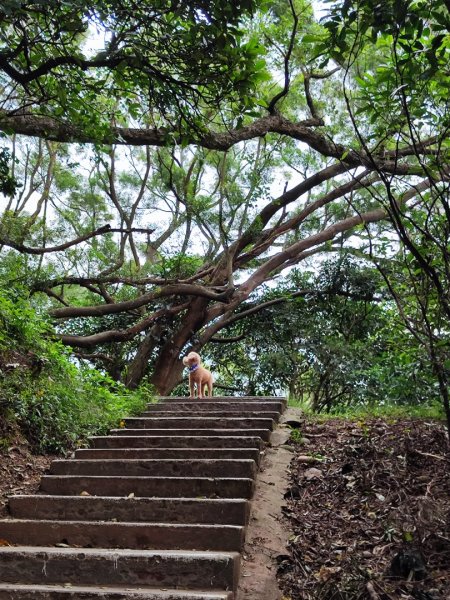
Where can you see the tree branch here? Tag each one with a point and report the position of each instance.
(285, 90)
(170, 290)
(302, 131)
(83, 238)
(118, 335)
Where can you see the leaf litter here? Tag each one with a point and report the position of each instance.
(371, 519)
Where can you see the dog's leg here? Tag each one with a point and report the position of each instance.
(191, 386)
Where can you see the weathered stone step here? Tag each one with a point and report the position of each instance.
(198, 423)
(216, 414)
(170, 510)
(156, 467)
(264, 434)
(95, 534)
(178, 476)
(213, 405)
(11, 591)
(103, 567)
(170, 440)
(149, 487)
(216, 403)
(261, 399)
(169, 453)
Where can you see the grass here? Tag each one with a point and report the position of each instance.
(389, 411)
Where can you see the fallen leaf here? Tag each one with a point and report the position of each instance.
(313, 473)
(325, 573)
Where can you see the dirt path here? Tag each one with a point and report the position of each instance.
(267, 533)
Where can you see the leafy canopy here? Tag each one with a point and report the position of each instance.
(94, 62)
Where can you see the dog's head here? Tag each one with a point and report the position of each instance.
(191, 359)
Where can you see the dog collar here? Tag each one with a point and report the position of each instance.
(193, 368)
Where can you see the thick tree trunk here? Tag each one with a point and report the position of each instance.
(169, 368)
(167, 375)
(138, 367)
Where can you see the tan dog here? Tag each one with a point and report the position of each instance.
(198, 375)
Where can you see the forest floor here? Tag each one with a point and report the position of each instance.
(20, 469)
(368, 509)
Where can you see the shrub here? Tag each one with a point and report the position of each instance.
(56, 402)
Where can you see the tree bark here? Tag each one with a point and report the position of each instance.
(168, 368)
(138, 366)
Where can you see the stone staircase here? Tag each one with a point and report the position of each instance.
(155, 510)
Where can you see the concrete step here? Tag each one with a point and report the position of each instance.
(149, 487)
(209, 467)
(239, 399)
(208, 407)
(106, 523)
(170, 453)
(216, 414)
(96, 534)
(163, 510)
(105, 567)
(198, 423)
(264, 434)
(170, 440)
(11, 591)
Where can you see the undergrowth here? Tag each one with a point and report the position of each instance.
(432, 410)
(55, 401)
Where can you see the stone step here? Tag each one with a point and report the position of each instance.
(169, 453)
(106, 523)
(108, 567)
(216, 414)
(96, 534)
(264, 434)
(169, 510)
(149, 487)
(239, 399)
(11, 591)
(212, 406)
(208, 467)
(138, 440)
(198, 423)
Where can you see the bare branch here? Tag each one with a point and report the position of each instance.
(118, 335)
(170, 290)
(287, 58)
(82, 238)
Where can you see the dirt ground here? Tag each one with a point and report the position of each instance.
(368, 508)
(20, 470)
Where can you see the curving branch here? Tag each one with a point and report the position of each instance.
(287, 58)
(82, 238)
(118, 335)
(169, 290)
(302, 131)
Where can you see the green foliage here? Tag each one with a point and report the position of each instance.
(8, 183)
(177, 266)
(361, 413)
(296, 436)
(55, 401)
(136, 73)
(339, 344)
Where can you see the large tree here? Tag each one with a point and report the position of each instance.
(408, 94)
(234, 184)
